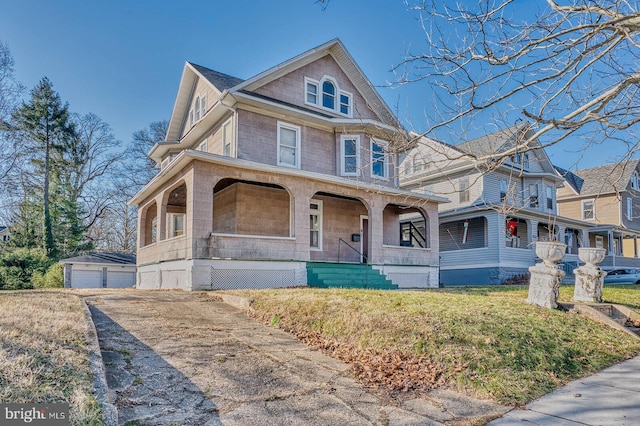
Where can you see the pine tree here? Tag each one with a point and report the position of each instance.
(46, 128)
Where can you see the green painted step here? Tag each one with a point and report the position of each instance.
(346, 275)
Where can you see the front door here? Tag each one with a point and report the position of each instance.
(364, 239)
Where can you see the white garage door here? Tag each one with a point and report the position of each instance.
(86, 278)
(120, 279)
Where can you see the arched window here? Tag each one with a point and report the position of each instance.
(416, 163)
(196, 109)
(328, 95)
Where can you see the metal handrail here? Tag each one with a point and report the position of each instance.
(366, 271)
(340, 240)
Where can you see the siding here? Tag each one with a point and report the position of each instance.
(607, 209)
(451, 234)
(290, 87)
(202, 88)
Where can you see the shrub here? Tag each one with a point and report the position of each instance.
(18, 266)
(53, 278)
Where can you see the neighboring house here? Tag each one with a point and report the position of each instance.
(100, 270)
(498, 208)
(4, 234)
(266, 180)
(608, 197)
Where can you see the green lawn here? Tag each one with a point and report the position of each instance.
(484, 341)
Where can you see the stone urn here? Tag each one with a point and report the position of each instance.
(550, 251)
(591, 255)
(544, 284)
(589, 277)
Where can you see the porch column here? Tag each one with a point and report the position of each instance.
(635, 246)
(610, 242)
(376, 230)
(301, 197)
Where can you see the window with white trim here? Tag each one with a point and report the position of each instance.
(463, 190)
(503, 190)
(203, 146)
(635, 184)
(176, 224)
(588, 209)
(349, 155)
(534, 199)
(599, 241)
(227, 138)
(629, 208)
(416, 162)
(198, 109)
(379, 162)
(326, 94)
(550, 192)
(315, 225)
(288, 145)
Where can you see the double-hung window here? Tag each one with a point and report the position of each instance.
(534, 199)
(315, 225)
(588, 209)
(227, 138)
(176, 224)
(350, 155)
(288, 145)
(629, 208)
(463, 188)
(549, 198)
(503, 190)
(311, 92)
(379, 166)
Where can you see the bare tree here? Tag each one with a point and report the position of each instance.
(568, 67)
(10, 91)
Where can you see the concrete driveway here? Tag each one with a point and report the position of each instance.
(186, 358)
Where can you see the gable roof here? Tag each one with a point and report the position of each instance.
(226, 83)
(607, 178)
(220, 81)
(103, 258)
(573, 180)
(493, 143)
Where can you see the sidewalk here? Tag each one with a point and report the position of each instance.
(610, 397)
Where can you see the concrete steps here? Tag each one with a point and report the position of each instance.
(346, 275)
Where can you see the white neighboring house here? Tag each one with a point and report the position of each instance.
(4, 234)
(100, 270)
(496, 211)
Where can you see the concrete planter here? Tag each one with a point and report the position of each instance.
(544, 284)
(591, 255)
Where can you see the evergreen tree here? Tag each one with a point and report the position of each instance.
(46, 128)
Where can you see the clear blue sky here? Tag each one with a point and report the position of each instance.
(122, 59)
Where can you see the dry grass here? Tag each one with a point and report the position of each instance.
(483, 341)
(44, 353)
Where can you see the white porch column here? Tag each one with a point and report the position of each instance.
(610, 243)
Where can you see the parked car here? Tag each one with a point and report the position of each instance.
(622, 276)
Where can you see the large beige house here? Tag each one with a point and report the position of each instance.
(607, 197)
(266, 181)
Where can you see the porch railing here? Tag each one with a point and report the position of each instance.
(362, 256)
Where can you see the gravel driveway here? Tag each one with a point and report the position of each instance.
(185, 358)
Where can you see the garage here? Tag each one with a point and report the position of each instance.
(100, 270)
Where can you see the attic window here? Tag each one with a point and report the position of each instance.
(198, 109)
(326, 94)
(634, 180)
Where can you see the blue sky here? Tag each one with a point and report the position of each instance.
(122, 59)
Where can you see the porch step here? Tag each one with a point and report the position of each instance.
(346, 275)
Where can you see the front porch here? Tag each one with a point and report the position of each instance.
(288, 218)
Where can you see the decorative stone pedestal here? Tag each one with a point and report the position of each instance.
(589, 278)
(544, 285)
